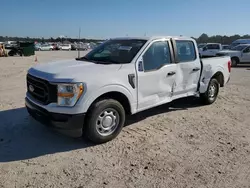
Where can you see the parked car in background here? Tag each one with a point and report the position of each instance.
(66, 47)
(93, 94)
(82, 46)
(73, 47)
(46, 47)
(238, 42)
(210, 49)
(239, 54)
(55, 46)
(37, 47)
(225, 47)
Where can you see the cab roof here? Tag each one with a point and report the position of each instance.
(151, 38)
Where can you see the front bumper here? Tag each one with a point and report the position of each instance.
(70, 124)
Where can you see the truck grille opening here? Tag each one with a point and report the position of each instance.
(41, 90)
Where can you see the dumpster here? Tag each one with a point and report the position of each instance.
(28, 48)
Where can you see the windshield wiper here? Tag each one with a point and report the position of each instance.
(82, 59)
(86, 59)
(109, 61)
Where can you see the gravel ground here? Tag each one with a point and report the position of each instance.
(179, 145)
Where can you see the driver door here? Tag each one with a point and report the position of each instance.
(155, 74)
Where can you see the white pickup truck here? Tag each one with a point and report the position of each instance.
(92, 95)
(209, 49)
(239, 54)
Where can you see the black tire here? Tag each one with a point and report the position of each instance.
(20, 53)
(11, 53)
(93, 131)
(206, 97)
(234, 62)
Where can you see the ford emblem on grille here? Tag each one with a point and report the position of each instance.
(31, 88)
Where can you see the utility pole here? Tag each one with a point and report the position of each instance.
(79, 42)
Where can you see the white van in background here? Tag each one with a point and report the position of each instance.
(65, 47)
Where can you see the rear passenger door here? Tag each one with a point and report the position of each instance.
(188, 68)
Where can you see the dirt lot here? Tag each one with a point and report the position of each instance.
(179, 145)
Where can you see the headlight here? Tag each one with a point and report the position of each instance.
(68, 94)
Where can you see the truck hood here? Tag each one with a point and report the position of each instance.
(71, 70)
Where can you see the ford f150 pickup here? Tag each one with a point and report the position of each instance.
(91, 95)
(209, 49)
(239, 54)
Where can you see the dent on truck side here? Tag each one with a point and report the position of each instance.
(207, 73)
(86, 103)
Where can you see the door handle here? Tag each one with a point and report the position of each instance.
(196, 69)
(171, 73)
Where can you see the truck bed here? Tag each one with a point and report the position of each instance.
(216, 64)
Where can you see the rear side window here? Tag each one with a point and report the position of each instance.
(213, 46)
(185, 51)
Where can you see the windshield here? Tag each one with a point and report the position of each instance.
(233, 45)
(239, 47)
(115, 51)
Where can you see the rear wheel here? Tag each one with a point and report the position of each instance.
(211, 94)
(105, 121)
(234, 62)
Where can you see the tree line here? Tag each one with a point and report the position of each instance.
(44, 40)
(204, 38)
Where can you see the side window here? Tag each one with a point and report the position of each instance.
(156, 56)
(216, 46)
(213, 46)
(185, 51)
(247, 50)
(210, 47)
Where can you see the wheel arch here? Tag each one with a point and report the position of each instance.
(235, 57)
(217, 74)
(119, 93)
(219, 77)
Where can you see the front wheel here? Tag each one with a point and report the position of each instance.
(105, 121)
(211, 94)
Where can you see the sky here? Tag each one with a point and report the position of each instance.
(103, 19)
